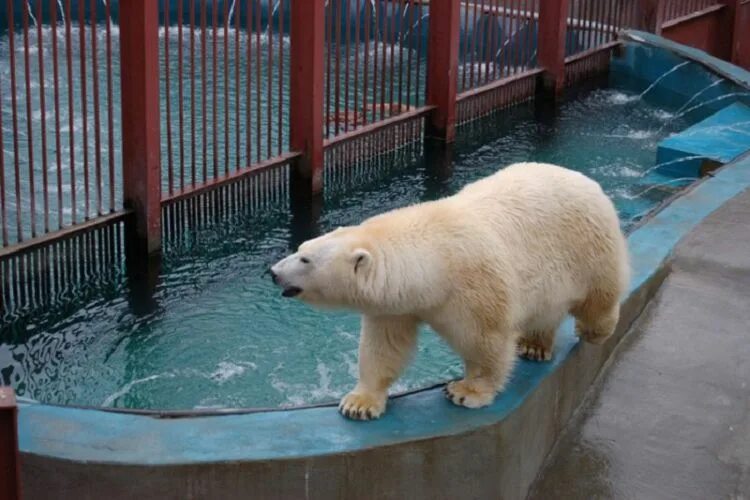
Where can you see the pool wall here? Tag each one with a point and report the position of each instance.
(423, 447)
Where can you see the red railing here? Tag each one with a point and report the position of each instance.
(224, 89)
(674, 9)
(59, 159)
(103, 143)
(593, 23)
(375, 61)
(10, 479)
(498, 40)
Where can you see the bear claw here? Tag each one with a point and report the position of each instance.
(533, 351)
(461, 393)
(362, 406)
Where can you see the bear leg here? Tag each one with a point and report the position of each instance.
(485, 373)
(385, 346)
(596, 317)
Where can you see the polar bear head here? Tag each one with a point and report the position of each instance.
(333, 270)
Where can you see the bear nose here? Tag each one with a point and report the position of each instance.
(274, 276)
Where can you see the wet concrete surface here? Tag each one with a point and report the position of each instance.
(671, 417)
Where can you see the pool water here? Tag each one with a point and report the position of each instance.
(221, 336)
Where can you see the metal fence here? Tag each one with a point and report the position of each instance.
(59, 116)
(375, 61)
(226, 79)
(498, 40)
(593, 23)
(674, 9)
(224, 88)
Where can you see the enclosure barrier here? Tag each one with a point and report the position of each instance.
(126, 125)
(10, 478)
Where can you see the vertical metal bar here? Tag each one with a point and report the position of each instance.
(227, 22)
(365, 81)
(180, 94)
(214, 84)
(401, 58)
(257, 78)
(495, 17)
(306, 95)
(442, 66)
(410, 26)
(337, 62)
(357, 42)
(29, 127)
(281, 79)
(551, 43)
(238, 10)
(419, 48)
(10, 462)
(347, 13)
(71, 108)
(376, 61)
(191, 14)
(42, 105)
(392, 50)
(329, 56)
(482, 76)
(269, 85)
(97, 121)
(475, 24)
(384, 45)
(248, 80)
(464, 44)
(56, 98)
(204, 98)
(3, 212)
(139, 55)
(84, 106)
(167, 103)
(110, 109)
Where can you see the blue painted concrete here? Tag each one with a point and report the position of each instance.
(647, 58)
(721, 137)
(115, 438)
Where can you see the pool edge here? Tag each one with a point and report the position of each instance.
(245, 448)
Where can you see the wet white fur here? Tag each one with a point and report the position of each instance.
(500, 263)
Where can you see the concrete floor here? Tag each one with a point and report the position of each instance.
(671, 418)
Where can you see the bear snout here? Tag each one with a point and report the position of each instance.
(274, 276)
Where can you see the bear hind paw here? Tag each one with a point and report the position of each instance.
(466, 393)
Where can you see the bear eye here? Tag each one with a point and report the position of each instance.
(304, 260)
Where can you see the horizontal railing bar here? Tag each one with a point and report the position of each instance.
(64, 234)
(376, 126)
(498, 83)
(220, 181)
(693, 15)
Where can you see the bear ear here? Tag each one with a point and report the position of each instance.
(361, 259)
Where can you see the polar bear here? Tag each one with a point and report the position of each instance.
(493, 269)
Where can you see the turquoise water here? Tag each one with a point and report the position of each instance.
(221, 336)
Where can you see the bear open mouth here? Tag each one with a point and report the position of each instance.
(291, 291)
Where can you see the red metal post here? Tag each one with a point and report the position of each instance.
(553, 15)
(738, 15)
(650, 15)
(442, 68)
(10, 473)
(139, 55)
(306, 94)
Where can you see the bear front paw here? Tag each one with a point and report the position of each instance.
(362, 405)
(466, 393)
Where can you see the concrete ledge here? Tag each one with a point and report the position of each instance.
(423, 448)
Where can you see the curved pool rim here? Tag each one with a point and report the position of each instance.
(135, 437)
